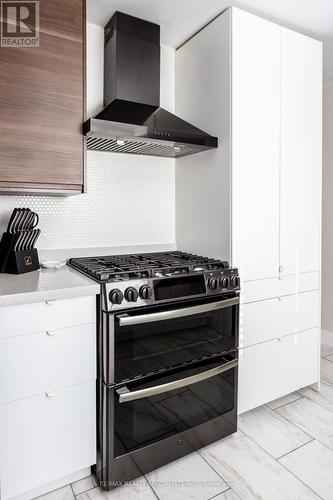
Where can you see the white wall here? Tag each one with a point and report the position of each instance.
(327, 245)
(130, 199)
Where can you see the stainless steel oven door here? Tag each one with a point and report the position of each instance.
(141, 343)
(145, 413)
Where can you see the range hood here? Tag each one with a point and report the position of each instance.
(132, 120)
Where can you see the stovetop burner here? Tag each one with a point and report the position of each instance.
(113, 268)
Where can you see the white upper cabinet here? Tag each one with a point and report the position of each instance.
(256, 199)
(301, 146)
(255, 145)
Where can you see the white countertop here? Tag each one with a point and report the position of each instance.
(44, 284)
(47, 284)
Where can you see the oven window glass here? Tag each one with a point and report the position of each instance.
(145, 421)
(146, 348)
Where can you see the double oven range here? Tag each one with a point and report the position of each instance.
(167, 358)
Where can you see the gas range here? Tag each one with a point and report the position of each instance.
(135, 280)
(167, 337)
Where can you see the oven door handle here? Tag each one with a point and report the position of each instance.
(125, 319)
(126, 395)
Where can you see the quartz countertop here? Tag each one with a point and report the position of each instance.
(45, 284)
(62, 283)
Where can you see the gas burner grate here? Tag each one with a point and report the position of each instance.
(111, 268)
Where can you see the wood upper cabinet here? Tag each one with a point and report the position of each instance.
(42, 105)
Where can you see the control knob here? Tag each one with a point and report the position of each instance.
(131, 294)
(145, 292)
(224, 282)
(116, 296)
(212, 283)
(235, 281)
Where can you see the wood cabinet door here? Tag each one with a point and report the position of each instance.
(42, 105)
(301, 147)
(255, 145)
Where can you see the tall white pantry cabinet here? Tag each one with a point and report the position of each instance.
(256, 200)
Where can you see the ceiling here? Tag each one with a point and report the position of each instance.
(180, 19)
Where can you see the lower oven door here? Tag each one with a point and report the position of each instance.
(192, 398)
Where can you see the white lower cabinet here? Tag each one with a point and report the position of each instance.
(272, 369)
(51, 315)
(269, 319)
(47, 394)
(46, 437)
(46, 361)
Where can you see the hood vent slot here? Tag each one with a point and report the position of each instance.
(138, 147)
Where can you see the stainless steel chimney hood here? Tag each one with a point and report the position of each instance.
(132, 120)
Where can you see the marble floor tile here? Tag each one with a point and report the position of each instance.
(85, 484)
(326, 370)
(313, 464)
(189, 477)
(252, 473)
(312, 418)
(324, 397)
(64, 493)
(138, 489)
(272, 432)
(289, 398)
(226, 495)
(326, 350)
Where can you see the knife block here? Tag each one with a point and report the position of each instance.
(16, 261)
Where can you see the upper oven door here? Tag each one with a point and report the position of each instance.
(154, 340)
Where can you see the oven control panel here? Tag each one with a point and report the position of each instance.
(130, 294)
(149, 291)
(127, 294)
(219, 281)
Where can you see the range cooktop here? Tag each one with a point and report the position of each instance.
(106, 269)
(135, 280)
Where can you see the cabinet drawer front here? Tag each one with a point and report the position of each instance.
(272, 369)
(45, 361)
(49, 315)
(272, 318)
(46, 438)
(275, 287)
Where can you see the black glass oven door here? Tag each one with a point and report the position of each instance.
(149, 412)
(156, 340)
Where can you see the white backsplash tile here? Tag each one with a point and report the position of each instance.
(130, 200)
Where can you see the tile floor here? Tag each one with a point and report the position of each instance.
(282, 451)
